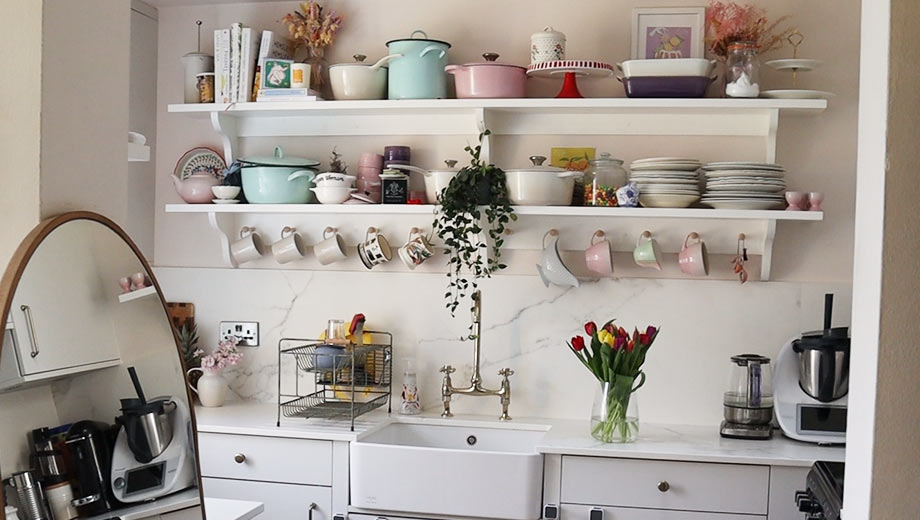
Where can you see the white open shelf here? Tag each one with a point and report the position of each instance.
(137, 294)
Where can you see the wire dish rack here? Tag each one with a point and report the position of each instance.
(347, 380)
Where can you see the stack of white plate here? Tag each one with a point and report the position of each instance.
(666, 182)
(744, 185)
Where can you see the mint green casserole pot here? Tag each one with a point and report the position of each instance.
(278, 179)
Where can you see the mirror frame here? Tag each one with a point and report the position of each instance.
(19, 261)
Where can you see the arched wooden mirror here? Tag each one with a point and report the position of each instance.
(70, 337)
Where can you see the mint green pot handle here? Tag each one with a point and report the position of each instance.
(431, 48)
(302, 173)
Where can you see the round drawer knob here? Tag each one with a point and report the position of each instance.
(663, 486)
(240, 458)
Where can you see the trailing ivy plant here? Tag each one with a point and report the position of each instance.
(476, 198)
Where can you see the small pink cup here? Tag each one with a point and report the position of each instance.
(125, 283)
(815, 198)
(371, 159)
(599, 257)
(693, 258)
(796, 200)
(138, 281)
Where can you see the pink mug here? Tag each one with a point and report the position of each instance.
(693, 258)
(599, 257)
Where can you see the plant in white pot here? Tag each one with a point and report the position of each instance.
(212, 386)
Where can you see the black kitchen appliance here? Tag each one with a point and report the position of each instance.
(823, 496)
(90, 445)
(46, 457)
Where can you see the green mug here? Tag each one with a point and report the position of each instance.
(647, 252)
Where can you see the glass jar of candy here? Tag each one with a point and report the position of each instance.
(602, 179)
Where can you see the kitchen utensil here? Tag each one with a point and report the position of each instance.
(46, 457)
(416, 250)
(331, 249)
(599, 256)
(748, 402)
(666, 86)
(569, 69)
(278, 179)
(647, 252)
(60, 501)
(249, 247)
(435, 180)
(375, 249)
(195, 63)
(418, 73)
(693, 258)
(30, 496)
(291, 246)
(675, 67)
(488, 79)
(815, 199)
(547, 45)
(332, 194)
(551, 268)
(359, 80)
(90, 448)
(540, 185)
(225, 192)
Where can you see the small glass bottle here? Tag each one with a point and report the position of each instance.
(602, 179)
(410, 400)
(742, 71)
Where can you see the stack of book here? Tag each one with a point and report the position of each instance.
(240, 55)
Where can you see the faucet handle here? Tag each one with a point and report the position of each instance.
(507, 372)
(447, 369)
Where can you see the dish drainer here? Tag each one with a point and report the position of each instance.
(349, 380)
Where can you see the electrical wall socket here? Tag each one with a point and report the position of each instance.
(246, 332)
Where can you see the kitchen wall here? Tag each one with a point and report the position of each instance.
(704, 322)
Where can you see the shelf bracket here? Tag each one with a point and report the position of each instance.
(772, 125)
(766, 260)
(226, 126)
(223, 223)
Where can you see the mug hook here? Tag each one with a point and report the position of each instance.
(246, 231)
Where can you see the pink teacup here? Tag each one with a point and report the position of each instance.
(138, 281)
(815, 198)
(599, 257)
(693, 258)
(125, 283)
(796, 200)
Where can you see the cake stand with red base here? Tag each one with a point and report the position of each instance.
(571, 69)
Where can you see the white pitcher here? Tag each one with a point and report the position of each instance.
(212, 387)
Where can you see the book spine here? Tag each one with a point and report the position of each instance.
(218, 66)
(223, 76)
(235, 61)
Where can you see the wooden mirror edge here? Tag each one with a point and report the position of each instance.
(17, 266)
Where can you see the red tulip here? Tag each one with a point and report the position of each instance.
(643, 339)
(622, 332)
(650, 331)
(630, 346)
(590, 328)
(619, 343)
(578, 343)
(610, 328)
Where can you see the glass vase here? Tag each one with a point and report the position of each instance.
(319, 73)
(615, 415)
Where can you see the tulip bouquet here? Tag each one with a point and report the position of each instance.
(615, 358)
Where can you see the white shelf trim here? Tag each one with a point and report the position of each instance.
(134, 295)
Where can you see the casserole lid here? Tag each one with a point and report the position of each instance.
(424, 38)
(491, 61)
(279, 159)
(538, 166)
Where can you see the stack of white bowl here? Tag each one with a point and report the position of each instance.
(744, 185)
(666, 182)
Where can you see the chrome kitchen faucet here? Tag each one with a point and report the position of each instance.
(476, 388)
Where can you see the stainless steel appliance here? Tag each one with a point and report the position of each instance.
(823, 496)
(812, 381)
(46, 457)
(29, 494)
(90, 447)
(748, 402)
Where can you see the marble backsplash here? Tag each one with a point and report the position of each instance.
(525, 326)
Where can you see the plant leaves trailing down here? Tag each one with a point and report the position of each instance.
(459, 223)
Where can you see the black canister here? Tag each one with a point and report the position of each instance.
(395, 187)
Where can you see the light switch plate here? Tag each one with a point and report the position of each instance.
(246, 332)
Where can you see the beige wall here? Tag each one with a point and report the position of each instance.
(896, 467)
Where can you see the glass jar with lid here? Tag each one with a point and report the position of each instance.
(602, 179)
(742, 71)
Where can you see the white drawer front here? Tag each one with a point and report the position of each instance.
(281, 501)
(295, 461)
(725, 488)
(356, 516)
(575, 512)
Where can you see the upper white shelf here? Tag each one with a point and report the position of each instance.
(136, 294)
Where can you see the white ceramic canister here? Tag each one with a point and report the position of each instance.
(60, 499)
(547, 45)
(195, 63)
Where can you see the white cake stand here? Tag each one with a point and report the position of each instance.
(570, 69)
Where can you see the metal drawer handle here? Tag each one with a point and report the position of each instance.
(34, 342)
(310, 510)
(239, 458)
(663, 486)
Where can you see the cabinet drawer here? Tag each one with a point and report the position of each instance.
(690, 486)
(355, 516)
(281, 501)
(295, 461)
(578, 512)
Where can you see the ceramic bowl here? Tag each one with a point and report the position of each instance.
(225, 192)
(332, 179)
(332, 194)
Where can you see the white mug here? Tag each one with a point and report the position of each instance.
(331, 249)
(249, 247)
(375, 249)
(291, 246)
(417, 249)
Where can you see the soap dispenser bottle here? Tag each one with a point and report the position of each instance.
(410, 400)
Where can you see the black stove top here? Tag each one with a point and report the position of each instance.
(823, 498)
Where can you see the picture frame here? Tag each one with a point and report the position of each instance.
(668, 32)
(275, 73)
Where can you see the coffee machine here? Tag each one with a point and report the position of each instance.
(748, 403)
(90, 445)
(153, 452)
(812, 380)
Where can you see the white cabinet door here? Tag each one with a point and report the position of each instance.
(784, 482)
(273, 459)
(282, 501)
(580, 512)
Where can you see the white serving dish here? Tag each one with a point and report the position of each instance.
(332, 194)
(668, 67)
(667, 200)
(796, 94)
(541, 185)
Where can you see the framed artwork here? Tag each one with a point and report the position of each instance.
(668, 32)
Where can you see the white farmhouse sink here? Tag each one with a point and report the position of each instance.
(449, 470)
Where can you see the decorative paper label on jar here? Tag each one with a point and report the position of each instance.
(395, 187)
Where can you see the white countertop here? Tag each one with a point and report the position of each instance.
(217, 508)
(226, 509)
(564, 437)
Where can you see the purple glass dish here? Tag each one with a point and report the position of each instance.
(666, 86)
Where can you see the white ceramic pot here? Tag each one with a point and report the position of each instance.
(211, 388)
(435, 180)
(541, 185)
(333, 179)
(359, 80)
(333, 194)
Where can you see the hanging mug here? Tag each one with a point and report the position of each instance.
(693, 258)
(332, 247)
(416, 250)
(249, 247)
(375, 249)
(647, 252)
(599, 257)
(291, 246)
